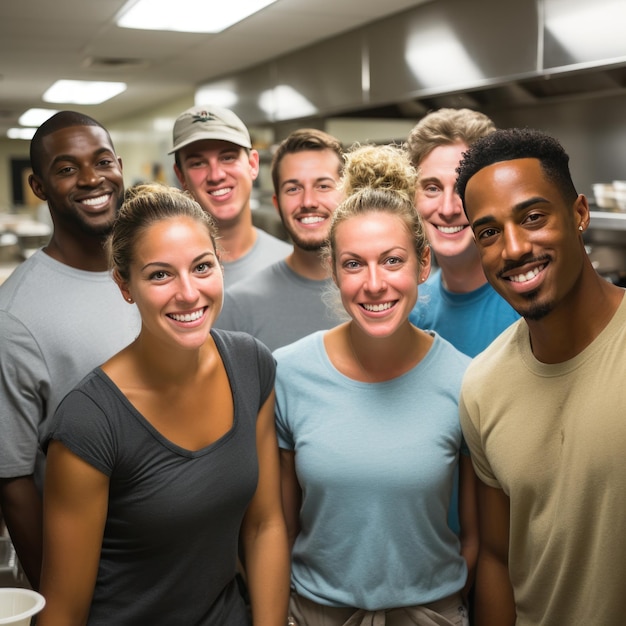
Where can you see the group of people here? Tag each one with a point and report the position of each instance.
(407, 414)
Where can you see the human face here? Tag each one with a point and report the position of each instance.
(377, 271)
(176, 281)
(219, 175)
(528, 236)
(81, 180)
(308, 195)
(440, 206)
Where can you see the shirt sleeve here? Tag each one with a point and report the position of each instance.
(24, 388)
(83, 427)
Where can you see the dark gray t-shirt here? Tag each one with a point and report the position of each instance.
(170, 541)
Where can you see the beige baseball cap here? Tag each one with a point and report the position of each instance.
(209, 122)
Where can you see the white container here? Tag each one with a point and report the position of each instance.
(604, 195)
(619, 190)
(17, 605)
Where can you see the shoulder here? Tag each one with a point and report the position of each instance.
(446, 358)
(499, 353)
(293, 352)
(266, 240)
(258, 282)
(237, 340)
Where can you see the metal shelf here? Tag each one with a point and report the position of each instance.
(607, 220)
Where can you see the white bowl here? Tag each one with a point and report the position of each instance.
(18, 605)
(604, 195)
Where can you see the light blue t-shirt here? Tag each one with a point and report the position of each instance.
(375, 462)
(469, 321)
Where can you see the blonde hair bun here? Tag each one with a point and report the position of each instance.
(385, 167)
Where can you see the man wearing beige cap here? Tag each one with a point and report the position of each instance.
(215, 162)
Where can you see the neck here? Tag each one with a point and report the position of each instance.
(385, 358)
(165, 366)
(462, 274)
(85, 253)
(577, 320)
(307, 263)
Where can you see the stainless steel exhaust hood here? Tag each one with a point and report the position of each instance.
(474, 53)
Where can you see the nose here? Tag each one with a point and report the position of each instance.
(516, 244)
(375, 283)
(215, 171)
(451, 205)
(309, 198)
(186, 291)
(89, 176)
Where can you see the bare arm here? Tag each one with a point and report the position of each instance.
(494, 594)
(468, 514)
(75, 509)
(292, 494)
(21, 506)
(263, 533)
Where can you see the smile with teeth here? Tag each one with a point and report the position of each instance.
(450, 230)
(377, 308)
(96, 201)
(187, 317)
(522, 278)
(220, 192)
(311, 219)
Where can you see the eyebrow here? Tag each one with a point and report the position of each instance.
(518, 208)
(297, 181)
(162, 264)
(73, 158)
(429, 179)
(383, 253)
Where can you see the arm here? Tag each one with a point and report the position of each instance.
(292, 494)
(494, 594)
(263, 532)
(21, 506)
(75, 510)
(468, 514)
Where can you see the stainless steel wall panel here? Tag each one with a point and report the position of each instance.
(450, 45)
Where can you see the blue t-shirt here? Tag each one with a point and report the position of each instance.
(375, 462)
(469, 321)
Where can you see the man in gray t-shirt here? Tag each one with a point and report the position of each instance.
(215, 162)
(283, 302)
(61, 314)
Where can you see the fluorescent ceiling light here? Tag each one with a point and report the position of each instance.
(437, 58)
(82, 91)
(285, 103)
(187, 16)
(21, 133)
(36, 117)
(217, 97)
(588, 31)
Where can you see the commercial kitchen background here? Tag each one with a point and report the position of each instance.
(361, 71)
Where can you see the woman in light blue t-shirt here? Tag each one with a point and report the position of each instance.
(368, 426)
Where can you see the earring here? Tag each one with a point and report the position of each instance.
(129, 299)
(580, 227)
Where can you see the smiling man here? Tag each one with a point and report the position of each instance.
(283, 302)
(215, 162)
(456, 301)
(542, 408)
(61, 315)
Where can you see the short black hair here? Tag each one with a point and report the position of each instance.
(60, 120)
(518, 143)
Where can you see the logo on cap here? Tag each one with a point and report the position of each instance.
(203, 116)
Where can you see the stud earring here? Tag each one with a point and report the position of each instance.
(129, 299)
(580, 227)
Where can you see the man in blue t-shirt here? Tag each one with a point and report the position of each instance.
(456, 301)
